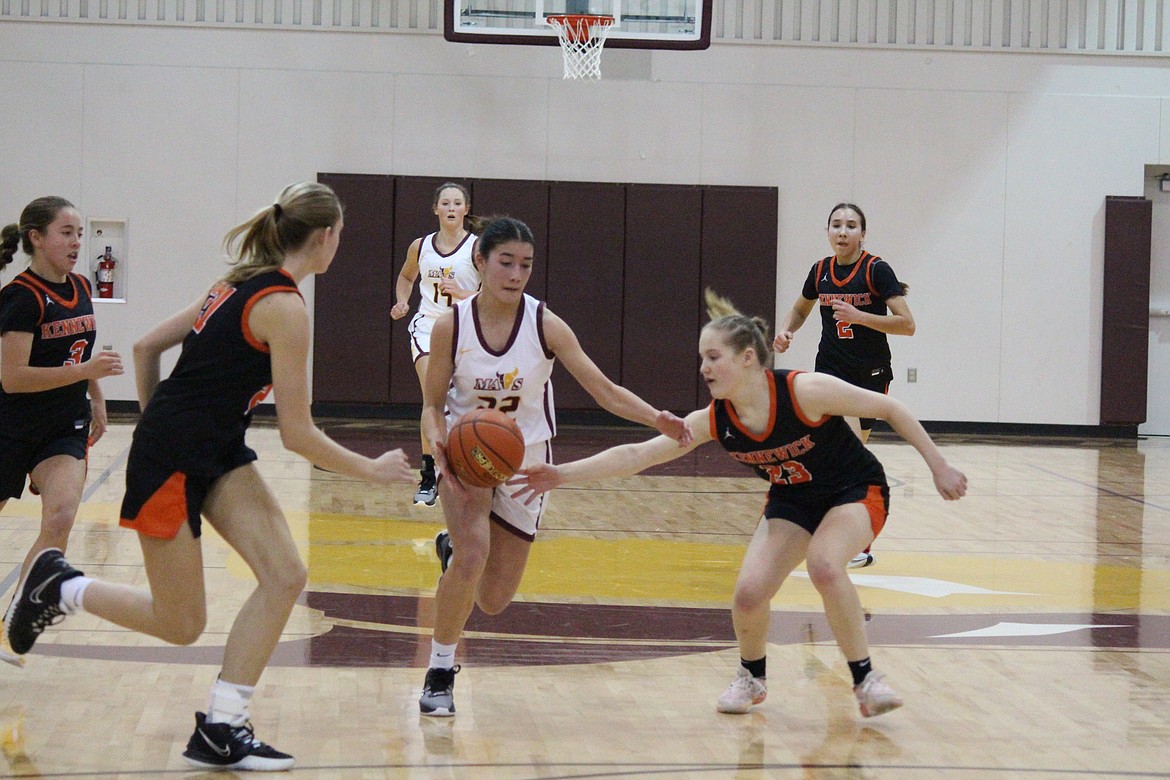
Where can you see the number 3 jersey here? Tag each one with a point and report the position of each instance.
(803, 459)
(198, 415)
(59, 315)
(516, 380)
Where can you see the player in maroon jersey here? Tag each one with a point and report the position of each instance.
(249, 334)
(49, 367)
(861, 301)
(828, 497)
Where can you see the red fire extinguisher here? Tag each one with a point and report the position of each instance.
(105, 275)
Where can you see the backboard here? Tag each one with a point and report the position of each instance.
(641, 24)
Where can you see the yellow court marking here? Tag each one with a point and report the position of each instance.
(392, 555)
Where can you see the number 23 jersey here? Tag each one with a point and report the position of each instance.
(804, 459)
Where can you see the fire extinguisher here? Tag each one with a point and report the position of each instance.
(105, 274)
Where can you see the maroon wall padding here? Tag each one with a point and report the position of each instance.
(661, 315)
(624, 265)
(354, 341)
(414, 217)
(1125, 327)
(739, 251)
(527, 201)
(586, 247)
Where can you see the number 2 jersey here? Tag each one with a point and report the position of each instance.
(516, 380)
(867, 284)
(197, 417)
(59, 315)
(805, 460)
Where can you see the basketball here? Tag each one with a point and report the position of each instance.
(485, 448)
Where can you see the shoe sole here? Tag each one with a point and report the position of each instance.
(244, 765)
(737, 711)
(881, 710)
(425, 503)
(861, 564)
(438, 712)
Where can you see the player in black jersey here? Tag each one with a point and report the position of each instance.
(861, 301)
(249, 334)
(828, 497)
(47, 369)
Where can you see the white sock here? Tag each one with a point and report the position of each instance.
(73, 594)
(229, 703)
(442, 656)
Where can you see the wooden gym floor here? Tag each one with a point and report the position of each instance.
(1027, 627)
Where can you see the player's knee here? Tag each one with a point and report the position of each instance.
(185, 629)
(287, 580)
(823, 572)
(493, 602)
(750, 596)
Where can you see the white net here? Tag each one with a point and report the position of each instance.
(582, 40)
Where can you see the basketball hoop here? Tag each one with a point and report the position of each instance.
(582, 38)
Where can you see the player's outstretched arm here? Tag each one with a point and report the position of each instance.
(621, 461)
(281, 321)
(612, 397)
(821, 394)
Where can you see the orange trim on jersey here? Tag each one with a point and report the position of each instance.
(249, 337)
(165, 512)
(742, 428)
(869, 275)
(36, 294)
(31, 279)
(876, 506)
(853, 272)
(796, 404)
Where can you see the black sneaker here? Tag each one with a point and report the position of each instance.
(443, 549)
(39, 604)
(223, 746)
(428, 490)
(438, 696)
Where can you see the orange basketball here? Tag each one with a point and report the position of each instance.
(485, 448)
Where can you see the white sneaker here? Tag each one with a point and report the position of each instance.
(860, 561)
(875, 696)
(744, 692)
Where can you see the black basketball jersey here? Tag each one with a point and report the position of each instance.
(866, 284)
(804, 459)
(60, 318)
(198, 415)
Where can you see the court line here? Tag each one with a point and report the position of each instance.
(1115, 493)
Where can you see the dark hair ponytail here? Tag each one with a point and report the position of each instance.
(37, 216)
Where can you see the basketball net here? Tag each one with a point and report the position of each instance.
(582, 38)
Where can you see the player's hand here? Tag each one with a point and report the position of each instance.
(390, 467)
(97, 423)
(534, 480)
(103, 364)
(845, 312)
(399, 310)
(450, 480)
(675, 427)
(449, 286)
(782, 341)
(950, 482)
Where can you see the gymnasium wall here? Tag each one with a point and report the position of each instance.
(984, 175)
